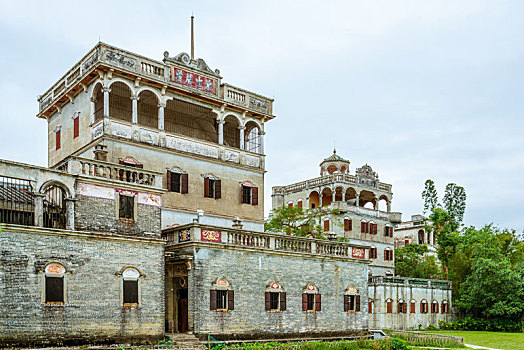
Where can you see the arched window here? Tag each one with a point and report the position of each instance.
(148, 109)
(389, 306)
(412, 307)
(221, 296)
(130, 287)
(423, 306)
(275, 297)
(311, 298)
(373, 252)
(445, 307)
(54, 291)
(120, 103)
(434, 307)
(351, 300)
(55, 207)
(314, 200)
(253, 138)
(98, 98)
(371, 306)
(231, 132)
(420, 236)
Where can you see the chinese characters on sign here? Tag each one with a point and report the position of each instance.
(193, 80)
(211, 236)
(359, 253)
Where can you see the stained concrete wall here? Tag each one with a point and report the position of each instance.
(93, 310)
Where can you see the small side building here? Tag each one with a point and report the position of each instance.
(414, 232)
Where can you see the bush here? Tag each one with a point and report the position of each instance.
(475, 324)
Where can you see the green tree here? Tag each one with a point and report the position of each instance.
(430, 196)
(299, 222)
(413, 261)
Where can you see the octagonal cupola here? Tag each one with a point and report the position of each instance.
(334, 164)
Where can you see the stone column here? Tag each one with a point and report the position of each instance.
(161, 107)
(92, 116)
(106, 101)
(70, 213)
(262, 133)
(39, 209)
(389, 206)
(242, 138)
(357, 202)
(134, 98)
(333, 194)
(221, 132)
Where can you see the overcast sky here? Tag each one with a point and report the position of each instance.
(417, 89)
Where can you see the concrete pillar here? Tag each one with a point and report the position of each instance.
(135, 109)
(221, 132)
(161, 107)
(333, 193)
(389, 206)
(357, 202)
(106, 101)
(70, 213)
(39, 209)
(262, 142)
(242, 138)
(92, 115)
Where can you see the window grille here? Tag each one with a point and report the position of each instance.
(190, 120)
(55, 207)
(253, 141)
(17, 201)
(148, 109)
(120, 103)
(99, 103)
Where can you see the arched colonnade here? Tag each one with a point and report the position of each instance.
(363, 198)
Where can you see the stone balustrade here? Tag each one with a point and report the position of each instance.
(112, 171)
(419, 282)
(324, 180)
(246, 99)
(195, 232)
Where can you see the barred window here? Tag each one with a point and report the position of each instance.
(221, 297)
(275, 297)
(130, 287)
(54, 284)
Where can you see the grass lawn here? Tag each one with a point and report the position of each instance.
(497, 340)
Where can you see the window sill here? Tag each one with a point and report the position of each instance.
(274, 310)
(130, 305)
(222, 310)
(54, 303)
(351, 311)
(312, 311)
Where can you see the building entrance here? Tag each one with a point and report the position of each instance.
(177, 297)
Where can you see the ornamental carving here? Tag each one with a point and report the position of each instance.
(191, 147)
(121, 130)
(120, 59)
(252, 161)
(98, 131)
(367, 172)
(211, 236)
(259, 104)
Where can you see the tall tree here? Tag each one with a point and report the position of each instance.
(455, 204)
(430, 196)
(300, 222)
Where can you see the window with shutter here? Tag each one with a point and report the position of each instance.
(304, 302)
(274, 300)
(283, 305)
(246, 194)
(221, 299)
(230, 300)
(346, 225)
(184, 183)
(357, 303)
(326, 225)
(290, 204)
(212, 299)
(346, 303)
(318, 302)
(218, 189)
(76, 127)
(389, 307)
(206, 188)
(412, 310)
(57, 139)
(254, 195)
(362, 227)
(175, 182)
(299, 204)
(370, 307)
(375, 228)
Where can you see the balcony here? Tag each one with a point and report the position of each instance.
(112, 171)
(246, 99)
(409, 282)
(196, 233)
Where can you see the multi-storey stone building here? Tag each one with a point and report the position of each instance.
(364, 204)
(149, 219)
(415, 232)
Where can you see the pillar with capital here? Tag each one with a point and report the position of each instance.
(242, 129)
(220, 131)
(161, 107)
(135, 98)
(389, 206)
(106, 101)
(262, 133)
(357, 201)
(92, 115)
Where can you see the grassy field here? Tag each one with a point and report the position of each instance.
(497, 340)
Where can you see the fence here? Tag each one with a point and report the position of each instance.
(428, 339)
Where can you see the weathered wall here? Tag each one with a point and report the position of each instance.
(250, 272)
(93, 309)
(381, 292)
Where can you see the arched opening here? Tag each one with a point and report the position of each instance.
(98, 97)
(351, 196)
(383, 203)
(190, 120)
(231, 132)
(367, 199)
(338, 194)
(343, 169)
(253, 138)
(420, 236)
(327, 196)
(314, 200)
(148, 109)
(55, 207)
(120, 103)
(331, 169)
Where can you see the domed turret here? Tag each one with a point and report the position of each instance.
(334, 164)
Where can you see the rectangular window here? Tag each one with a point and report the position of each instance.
(274, 301)
(57, 139)
(351, 303)
(130, 292)
(290, 204)
(246, 195)
(126, 208)
(326, 225)
(175, 182)
(299, 204)
(221, 299)
(212, 188)
(402, 308)
(389, 307)
(348, 225)
(310, 302)
(412, 309)
(54, 289)
(76, 127)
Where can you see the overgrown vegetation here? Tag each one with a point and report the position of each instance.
(413, 261)
(299, 222)
(485, 265)
(475, 324)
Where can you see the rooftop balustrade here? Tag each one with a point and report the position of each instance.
(408, 281)
(196, 233)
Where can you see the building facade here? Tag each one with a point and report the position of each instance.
(415, 232)
(364, 204)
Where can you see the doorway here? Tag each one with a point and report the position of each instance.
(182, 310)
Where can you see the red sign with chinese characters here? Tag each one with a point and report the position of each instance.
(193, 80)
(211, 236)
(359, 253)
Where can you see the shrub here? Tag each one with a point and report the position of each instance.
(475, 324)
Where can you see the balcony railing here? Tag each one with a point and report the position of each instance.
(112, 171)
(247, 99)
(193, 233)
(324, 180)
(410, 281)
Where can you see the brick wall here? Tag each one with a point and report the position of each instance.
(249, 273)
(98, 214)
(93, 309)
